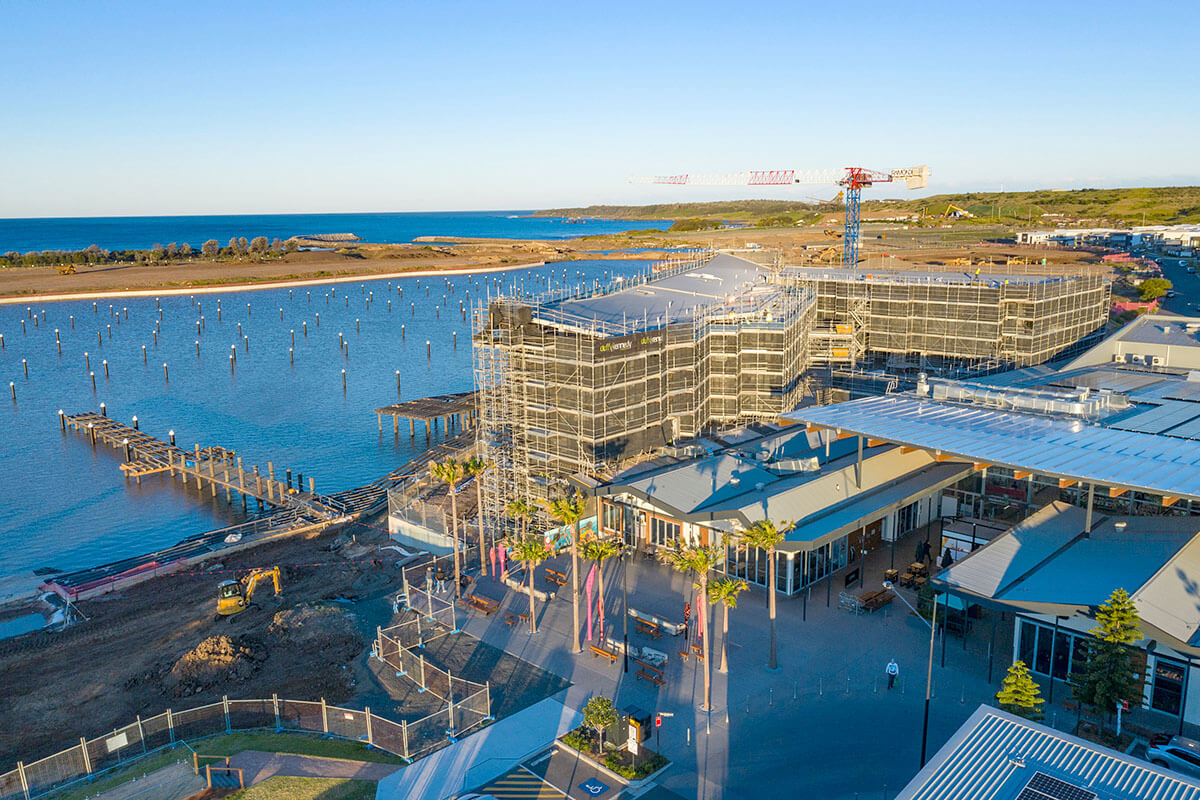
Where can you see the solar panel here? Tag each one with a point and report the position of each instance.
(1043, 787)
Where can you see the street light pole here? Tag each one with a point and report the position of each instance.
(625, 605)
(928, 683)
(929, 673)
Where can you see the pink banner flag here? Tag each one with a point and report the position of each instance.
(503, 562)
(588, 585)
(493, 552)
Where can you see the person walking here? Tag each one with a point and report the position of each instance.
(892, 670)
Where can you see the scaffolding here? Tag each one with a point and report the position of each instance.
(560, 394)
(955, 324)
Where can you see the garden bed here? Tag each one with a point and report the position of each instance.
(618, 763)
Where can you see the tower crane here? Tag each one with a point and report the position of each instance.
(852, 180)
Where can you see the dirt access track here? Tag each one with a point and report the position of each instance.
(159, 645)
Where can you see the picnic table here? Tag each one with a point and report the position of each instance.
(651, 673)
(875, 600)
(484, 604)
(554, 576)
(647, 627)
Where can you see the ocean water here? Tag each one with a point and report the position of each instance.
(67, 506)
(120, 233)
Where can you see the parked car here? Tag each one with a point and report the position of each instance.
(1175, 752)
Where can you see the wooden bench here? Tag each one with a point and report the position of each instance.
(510, 620)
(483, 604)
(600, 651)
(651, 673)
(554, 576)
(646, 627)
(523, 616)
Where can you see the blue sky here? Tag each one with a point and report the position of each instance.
(161, 108)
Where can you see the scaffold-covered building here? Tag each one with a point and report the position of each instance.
(952, 323)
(579, 383)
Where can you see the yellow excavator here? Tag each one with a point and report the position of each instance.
(233, 597)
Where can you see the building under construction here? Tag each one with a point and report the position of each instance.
(951, 323)
(579, 383)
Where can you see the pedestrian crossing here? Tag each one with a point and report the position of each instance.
(521, 784)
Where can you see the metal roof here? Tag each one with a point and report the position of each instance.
(994, 754)
(1062, 447)
(673, 298)
(994, 567)
(1046, 560)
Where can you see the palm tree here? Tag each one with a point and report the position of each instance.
(474, 468)
(450, 472)
(531, 551)
(568, 511)
(699, 561)
(725, 591)
(521, 510)
(765, 536)
(599, 550)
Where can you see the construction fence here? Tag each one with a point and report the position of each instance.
(468, 704)
(92, 757)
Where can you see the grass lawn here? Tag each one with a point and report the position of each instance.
(279, 788)
(294, 743)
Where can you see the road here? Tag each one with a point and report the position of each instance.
(1187, 285)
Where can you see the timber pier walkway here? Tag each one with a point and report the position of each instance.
(215, 467)
(288, 510)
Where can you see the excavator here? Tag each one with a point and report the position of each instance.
(233, 597)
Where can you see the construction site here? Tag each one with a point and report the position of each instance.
(582, 383)
(576, 382)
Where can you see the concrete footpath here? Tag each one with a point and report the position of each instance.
(482, 756)
(257, 766)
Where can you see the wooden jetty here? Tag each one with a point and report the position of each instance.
(451, 411)
(214, 467)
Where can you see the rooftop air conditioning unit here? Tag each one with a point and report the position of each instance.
(1118, 358)
(1158, 361)
(1136, 359)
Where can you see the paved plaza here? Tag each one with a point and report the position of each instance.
(824, 724)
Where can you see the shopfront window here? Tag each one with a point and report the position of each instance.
(1167, 693)
(1047, 652)
(663, 532)
(612, 518)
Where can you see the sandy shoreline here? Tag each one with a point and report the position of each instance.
(246, 287)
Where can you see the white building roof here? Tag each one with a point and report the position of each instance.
(1057, 446)
(995, 755)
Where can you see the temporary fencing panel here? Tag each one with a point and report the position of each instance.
(346, 722)
(472, 711)
(245, 714)
(428, 733)
(301, 715)
(389, 736)
(201, 721)
(41, 776)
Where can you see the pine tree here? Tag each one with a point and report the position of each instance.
(1019, 693)
(1111, 673)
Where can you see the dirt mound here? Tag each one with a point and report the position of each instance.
(315, 627)
(216, 660)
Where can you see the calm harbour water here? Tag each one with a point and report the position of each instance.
(119, 233)
(67, 506)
